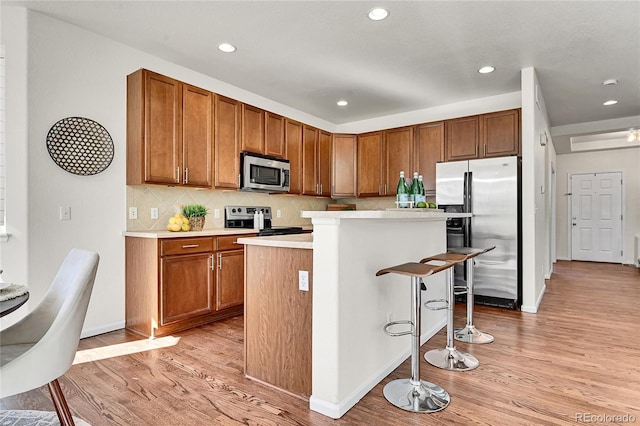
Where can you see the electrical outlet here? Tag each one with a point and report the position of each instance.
(133, 213)
(154, 213)
(65, 213)
(303, 280)
(278, 213)
(216, 213)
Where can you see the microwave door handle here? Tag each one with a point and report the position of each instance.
(283, 178)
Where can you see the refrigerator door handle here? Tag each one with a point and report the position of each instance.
(467, 208)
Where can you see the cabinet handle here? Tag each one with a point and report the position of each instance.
(213, 263)
(320, 189)
(219, 260)
(191, 245)
(178, 175)
(238, 181)
(186, 175)
(385, 189)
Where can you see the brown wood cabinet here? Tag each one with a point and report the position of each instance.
(169, 131)
(177, 283)
(316, 162)
(293, 153)
(274, 134)
(370, 171)
(429, 149)
(252, 125)
(398, 157)
(226, 143)
(500, 133)
(462, 136)
(344, 166)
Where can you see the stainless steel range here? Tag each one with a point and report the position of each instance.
(243, 217)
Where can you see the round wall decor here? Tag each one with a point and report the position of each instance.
(80, 146)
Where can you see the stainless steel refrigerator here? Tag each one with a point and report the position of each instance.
(490, 190)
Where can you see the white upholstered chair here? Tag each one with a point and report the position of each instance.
(41, 347)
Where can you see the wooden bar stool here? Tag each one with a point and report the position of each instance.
(449, 358)
(470, 334)
(413, 394)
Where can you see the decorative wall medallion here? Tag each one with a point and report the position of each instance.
(80, 146)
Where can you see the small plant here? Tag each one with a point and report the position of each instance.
(195, 210)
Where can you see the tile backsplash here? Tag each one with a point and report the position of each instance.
(166, 199)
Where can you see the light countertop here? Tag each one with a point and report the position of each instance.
(300, 241)
(422, 214)
(211, 232)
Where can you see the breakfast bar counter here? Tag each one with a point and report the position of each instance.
(346, 304)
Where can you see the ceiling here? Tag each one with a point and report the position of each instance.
(309, 54)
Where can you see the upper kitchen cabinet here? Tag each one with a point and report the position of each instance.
(500, 133)
(252, 132)
(429, 149)
(274, 134)
(293, 153)
(370, 170)
(316, 162)
(398, 157)
(226, 143)
(462, 138)
(343, 166)
(168, 131)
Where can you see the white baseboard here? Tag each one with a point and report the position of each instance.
(563, 258)
(337, 410)
(101, 330)
(534, 309)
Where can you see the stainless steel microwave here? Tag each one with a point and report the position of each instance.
(263, 173)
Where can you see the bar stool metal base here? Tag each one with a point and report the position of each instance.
(470, 334)
(451, 359)
(421, 397)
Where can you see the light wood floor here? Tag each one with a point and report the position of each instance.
(579, 355)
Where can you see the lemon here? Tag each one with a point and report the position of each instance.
(175, 227)
(169, 227)
(186, 226)
(172, 220)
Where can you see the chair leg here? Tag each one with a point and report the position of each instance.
(470, 334)
(60, 403)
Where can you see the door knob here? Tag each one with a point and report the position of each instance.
(574, 224)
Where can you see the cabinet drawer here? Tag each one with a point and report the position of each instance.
(185, 245)
(229, 242)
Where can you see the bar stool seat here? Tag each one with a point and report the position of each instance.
(449, 358)
(415, 395)
(470, 334)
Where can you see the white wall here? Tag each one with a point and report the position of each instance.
(56, 70)
(626, 161)
(535, 189)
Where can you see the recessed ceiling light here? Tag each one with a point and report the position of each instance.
(486, 70)
(610, 82)
(610, 102)
(226, 47)
(378, 14)
(342, 102)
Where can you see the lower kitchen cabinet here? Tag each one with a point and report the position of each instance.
(173, 284)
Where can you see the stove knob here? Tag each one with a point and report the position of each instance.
(233, 210)
(239, 209)
(266, 210)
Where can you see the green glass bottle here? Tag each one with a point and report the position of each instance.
(414, 191)
(421, 196)
(402, 192)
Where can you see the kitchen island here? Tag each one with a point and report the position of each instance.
(350, 353)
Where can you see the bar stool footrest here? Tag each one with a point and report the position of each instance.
(421, 397)
(388, 325)
(432, 304)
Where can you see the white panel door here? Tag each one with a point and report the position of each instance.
(596, 213)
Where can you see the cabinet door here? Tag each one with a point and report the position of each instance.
(274, 134)
(309, 171)
(429, 149)
(186, 287)
(462, 138)
(293, 146)
(226, 142)
(370, 170)
(197, 136)
(399, 157)
(500, 133)
(252, 133)
(323, 165)
(344, 166)
(229, 279)
(162, 129)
